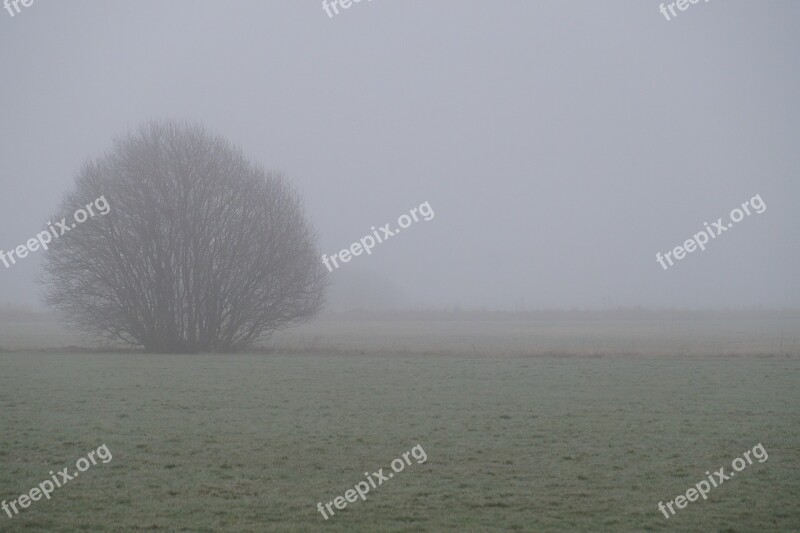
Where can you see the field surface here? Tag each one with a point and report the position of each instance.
(514, 442)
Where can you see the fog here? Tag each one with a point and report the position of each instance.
(560, 145)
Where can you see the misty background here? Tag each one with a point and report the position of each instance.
(561, 145)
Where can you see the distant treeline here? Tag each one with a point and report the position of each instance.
(629, 313)
(20, 313)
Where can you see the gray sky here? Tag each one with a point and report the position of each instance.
(560, 144)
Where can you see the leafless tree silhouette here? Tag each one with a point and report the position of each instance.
(202, 250)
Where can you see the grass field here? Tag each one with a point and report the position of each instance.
(513, 443)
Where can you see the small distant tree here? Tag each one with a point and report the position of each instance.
(201, 250)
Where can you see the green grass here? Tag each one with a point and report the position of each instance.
(252, 443)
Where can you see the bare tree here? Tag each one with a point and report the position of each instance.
(201, 251)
